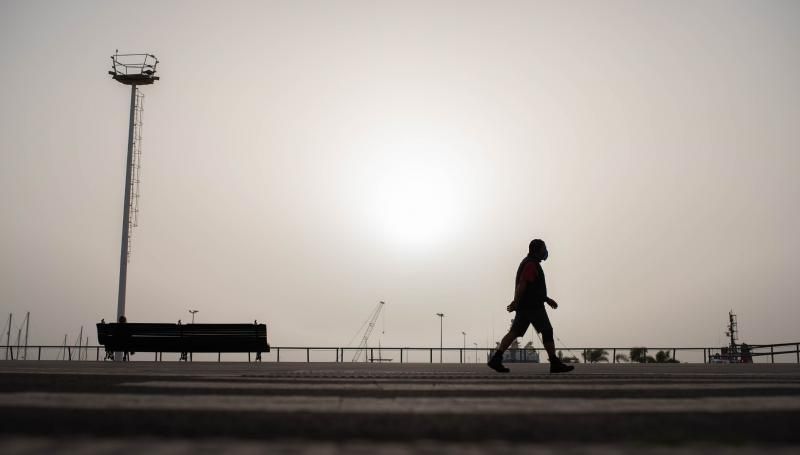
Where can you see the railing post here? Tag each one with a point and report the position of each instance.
(704, 355)
(40, 353)
(772, 353)
(614, 355)
(97, 357)
(69, 352)
(278, 357)
(308, 355)
(797, 351)
(248, 357)
(371, 356)
(219, 357)
(673, 354)
(460, 355)
(401, 355)
(431, 355)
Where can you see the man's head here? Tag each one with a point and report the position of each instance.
(538, 249)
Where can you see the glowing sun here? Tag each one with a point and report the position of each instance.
(413, 201)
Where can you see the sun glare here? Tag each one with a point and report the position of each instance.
(412, 199)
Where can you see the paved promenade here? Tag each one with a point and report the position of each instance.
(89, 407)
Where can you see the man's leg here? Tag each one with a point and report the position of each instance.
(496, 362)
(518, 328)
(556, 365)
(550, 347)
(506, 342)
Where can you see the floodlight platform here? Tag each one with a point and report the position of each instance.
(134, 69)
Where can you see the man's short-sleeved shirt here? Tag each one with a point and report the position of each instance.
(530, 272)
(536, 289)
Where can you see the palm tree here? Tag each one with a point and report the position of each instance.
(565, 359)
(595, 355)
(622, 358)
(664, 357)
(639, 355)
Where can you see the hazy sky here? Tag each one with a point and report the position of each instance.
(303, 160)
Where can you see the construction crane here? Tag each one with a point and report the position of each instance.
(370, 323)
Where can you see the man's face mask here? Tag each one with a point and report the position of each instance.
(544, 255)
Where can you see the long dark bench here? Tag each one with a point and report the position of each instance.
(183, 338)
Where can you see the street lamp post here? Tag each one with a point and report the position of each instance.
(193, 313)
(441, 327)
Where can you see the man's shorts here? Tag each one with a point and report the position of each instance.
(536, 316)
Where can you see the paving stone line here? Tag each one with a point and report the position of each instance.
(398, 405)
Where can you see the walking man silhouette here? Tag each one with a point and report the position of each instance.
(530, 295)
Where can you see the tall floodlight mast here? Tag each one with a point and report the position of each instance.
(133, 70)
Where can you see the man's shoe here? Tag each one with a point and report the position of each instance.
(496, 363)
(558, 367)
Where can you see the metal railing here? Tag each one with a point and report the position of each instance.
(785, 352)
(133, 64)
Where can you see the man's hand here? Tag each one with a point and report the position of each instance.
(553, 304)
(512, 307)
